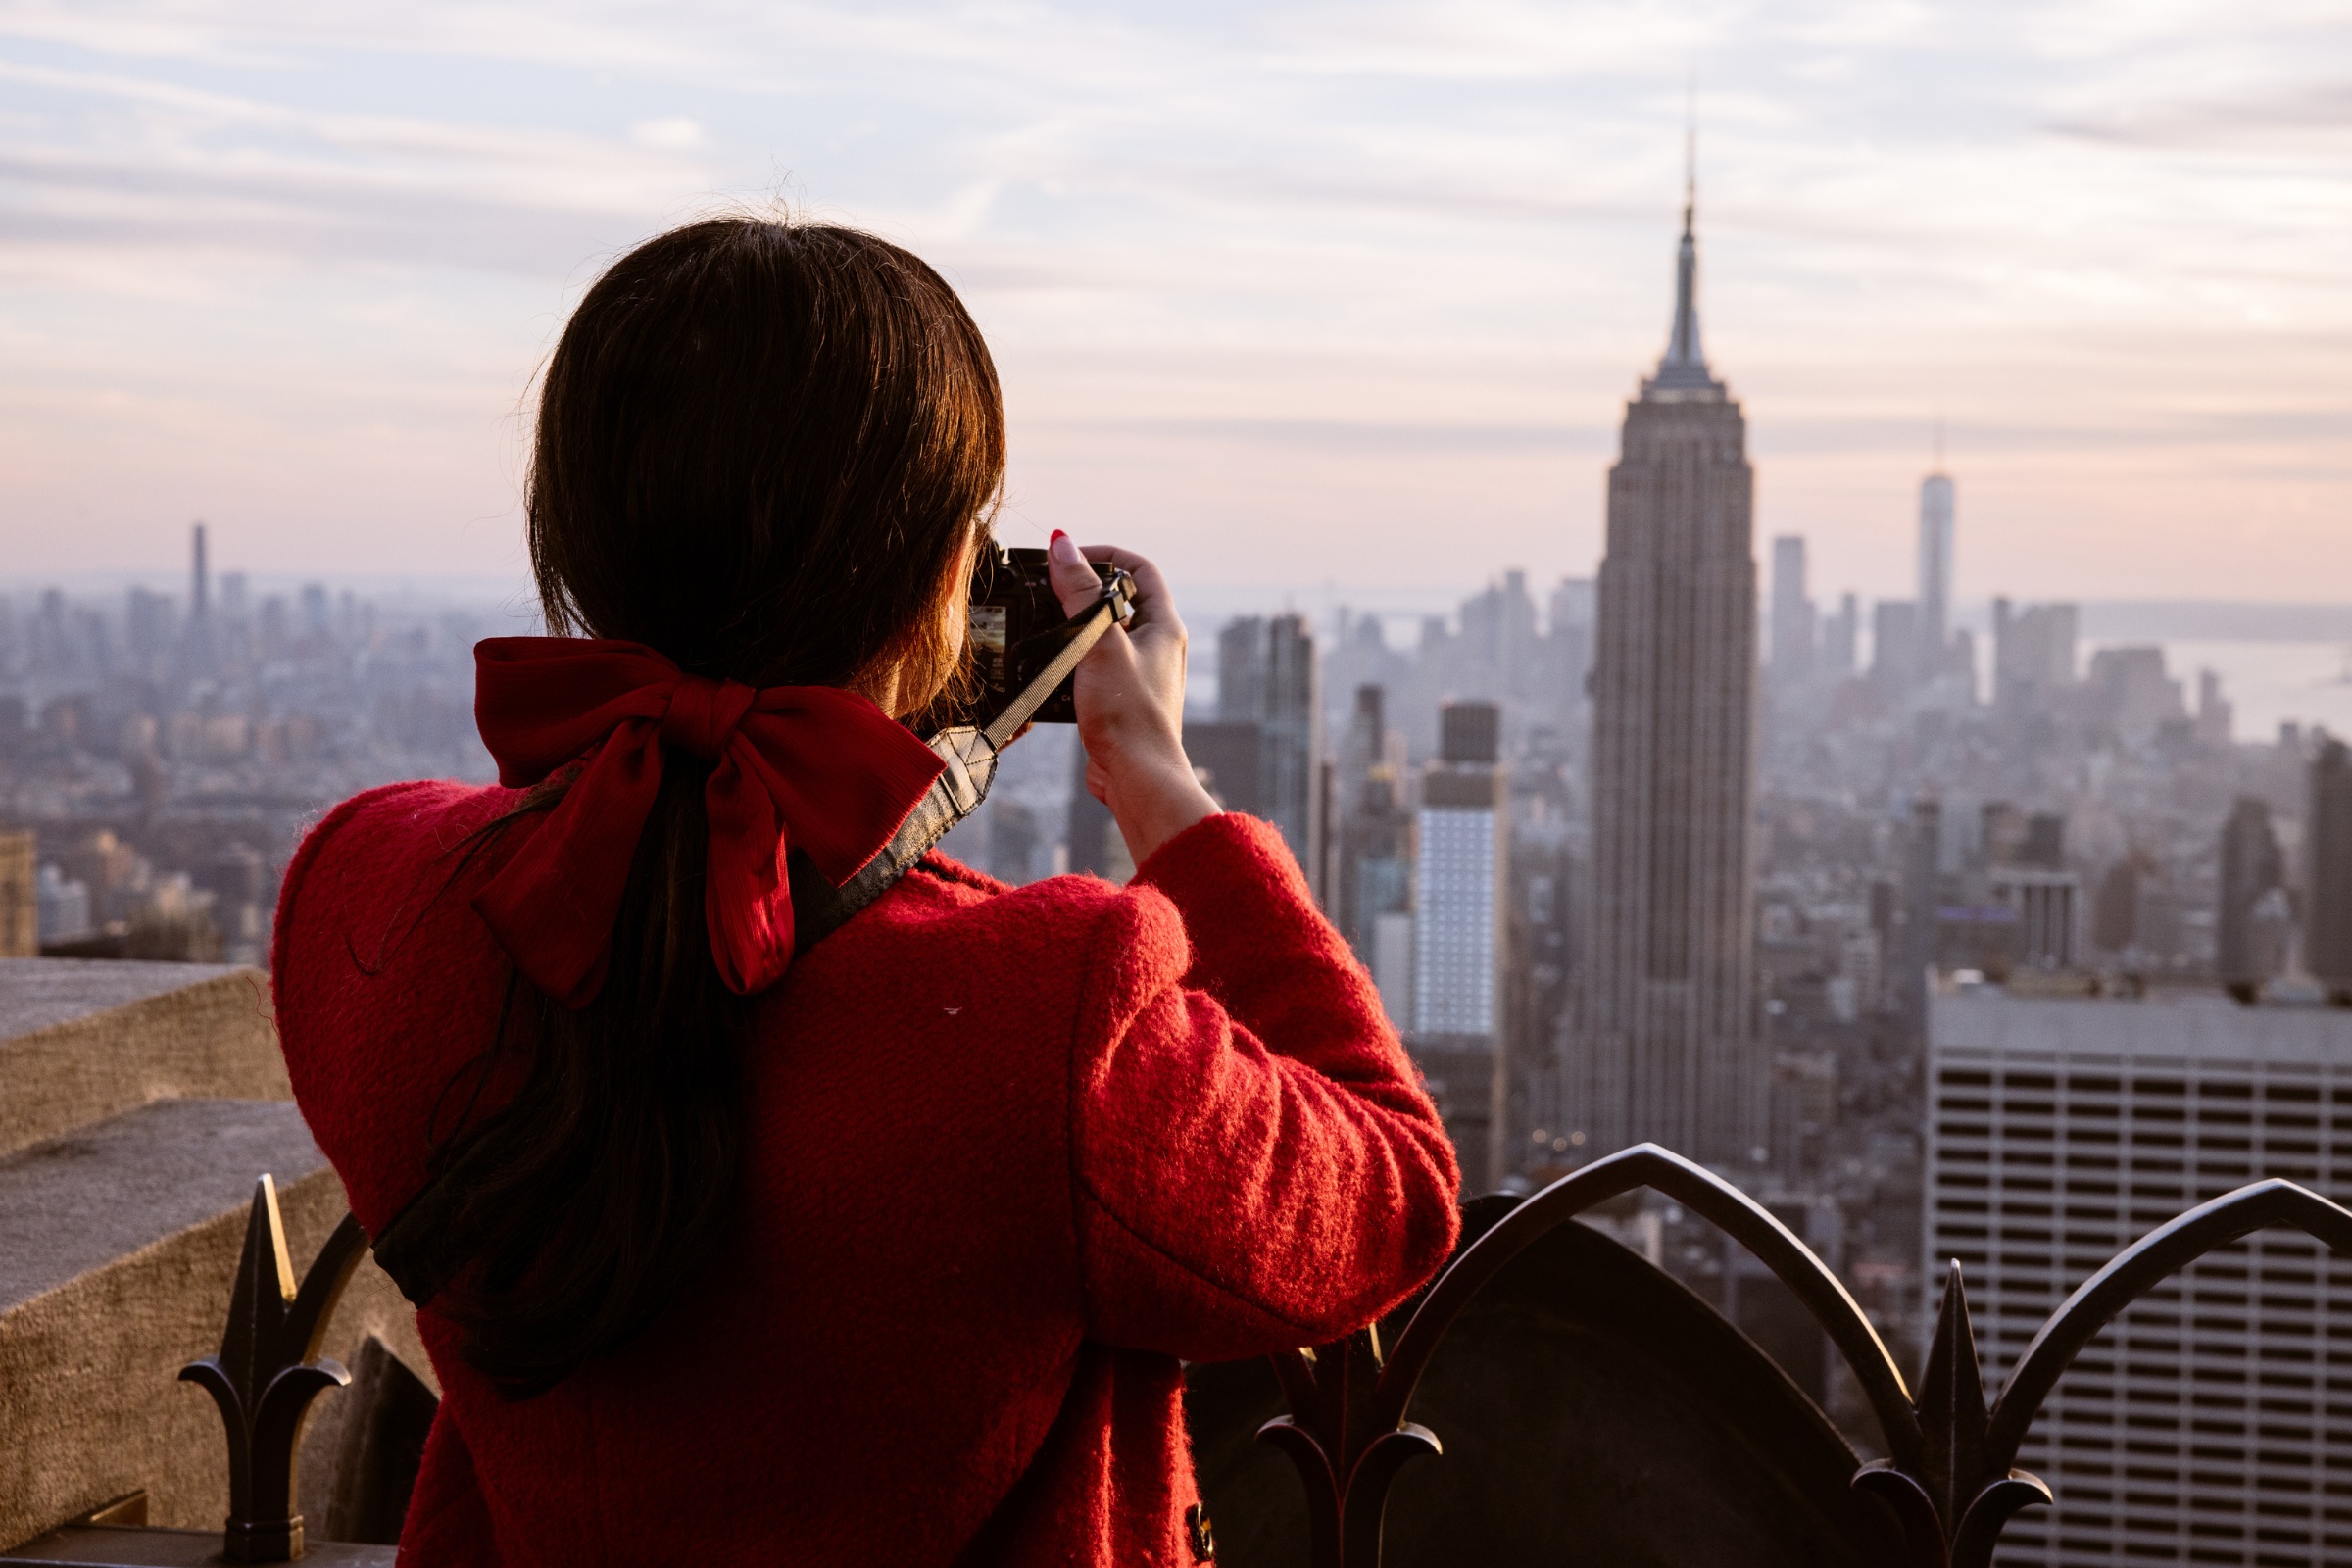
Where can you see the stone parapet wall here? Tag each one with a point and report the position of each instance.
(83, 1040)
(120, 1233)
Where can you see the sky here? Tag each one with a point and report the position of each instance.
(1300, 299)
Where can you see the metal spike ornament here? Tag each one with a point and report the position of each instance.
(1345, 1455)
(268, 1370)
(1951, 1511)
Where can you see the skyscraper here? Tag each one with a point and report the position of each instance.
(1923, 896)
(2032, 650)
(1460, 870)
(2205, 1425)
(1570, 635)
(1266, 675)
(2251, 866)
(2328, 937)
(1894, 645)
(1375, 861)
(1935, 574)
(199, 651)
(1839, 634)
(1666, 1047)
(2216, 716)
(200, 578)
(1792, 611)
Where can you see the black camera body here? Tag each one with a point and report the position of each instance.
(1013, 629)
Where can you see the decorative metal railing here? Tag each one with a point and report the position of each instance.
(1948, 1482)
(1949, 1476)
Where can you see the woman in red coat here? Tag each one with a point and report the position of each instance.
(879, 1249)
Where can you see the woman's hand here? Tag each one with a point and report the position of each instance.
(1130, 702)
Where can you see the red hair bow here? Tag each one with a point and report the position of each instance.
(808, 766)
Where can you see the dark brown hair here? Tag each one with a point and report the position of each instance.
(766, 450)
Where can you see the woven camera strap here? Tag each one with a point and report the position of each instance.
(418, 1246)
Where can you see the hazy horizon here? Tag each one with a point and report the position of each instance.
(1281, 295)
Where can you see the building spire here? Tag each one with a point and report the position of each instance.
(1685, 367)
(1690, 156)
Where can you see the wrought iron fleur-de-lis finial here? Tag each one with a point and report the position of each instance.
(1952, 1509)
(268, 1371)
(1954, 1503)
(1343, 1453)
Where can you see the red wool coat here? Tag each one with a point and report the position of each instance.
(1012, 1153)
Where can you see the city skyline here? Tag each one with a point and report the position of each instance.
(2273, 673)
(1972, 893)
(1281, 298)
(1610, 896)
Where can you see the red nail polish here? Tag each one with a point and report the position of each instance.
(1057, 535)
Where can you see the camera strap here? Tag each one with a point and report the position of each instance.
(414, 1248)
(818, 908)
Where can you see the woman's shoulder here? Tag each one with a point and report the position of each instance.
(358, 848)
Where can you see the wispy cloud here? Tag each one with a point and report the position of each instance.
(2313, 121)
(1286, 284)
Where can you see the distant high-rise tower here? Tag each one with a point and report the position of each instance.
(317, 621)
(198, 653)
(1935, 574)
(200, 582)
(1792, 611)
(2032, 650)
(1461, 877)
(2327, 938)
(2251, 868)
(1459, 901)
(1922, 888)
(1268, 676)
(1291, 755)
(1838, 637)
(1376, 836)
(1894, 645)
(1666, 1045)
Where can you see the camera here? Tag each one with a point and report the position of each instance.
(1014, 630)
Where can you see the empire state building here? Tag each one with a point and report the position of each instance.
(1666, 1046)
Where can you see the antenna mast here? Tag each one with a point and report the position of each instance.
(1689, 147)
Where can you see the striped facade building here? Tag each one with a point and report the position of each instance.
(2211, 1422)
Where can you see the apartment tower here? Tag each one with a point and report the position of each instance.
(1666, 1045)
(1461, 878)
(2328, 889)
(2210, 1423)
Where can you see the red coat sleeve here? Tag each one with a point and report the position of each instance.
(1257, 1164)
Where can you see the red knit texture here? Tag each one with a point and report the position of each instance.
(1012, 1153)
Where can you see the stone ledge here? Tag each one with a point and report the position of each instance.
(109, 1547)
(122, 1242)
(83, 1040)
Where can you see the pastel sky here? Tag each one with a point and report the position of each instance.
(1290, 295)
